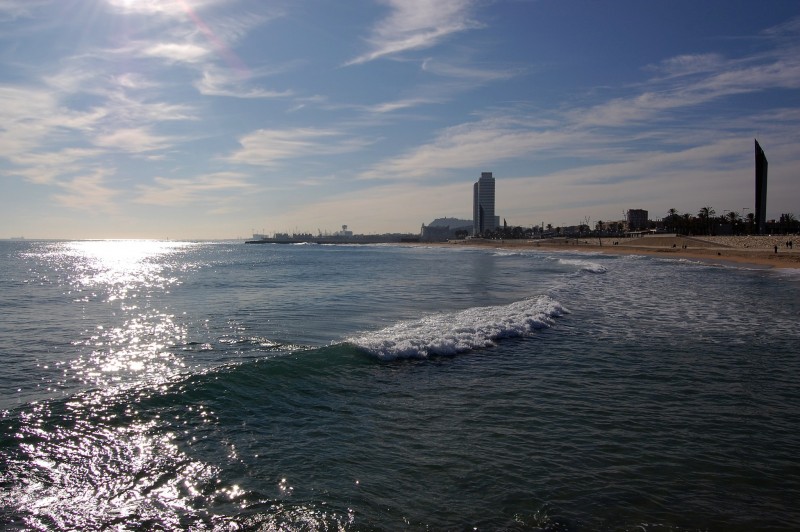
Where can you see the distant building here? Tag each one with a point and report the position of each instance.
(637, 219)
(483, 218)
(761, 190)
(442, 229)
(452, 223)
(343, 232)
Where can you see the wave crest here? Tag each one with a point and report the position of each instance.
(585, 265)
(452, 333)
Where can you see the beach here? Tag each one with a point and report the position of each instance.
(755, 250)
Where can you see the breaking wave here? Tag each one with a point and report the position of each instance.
(585, 265)
(452, 333)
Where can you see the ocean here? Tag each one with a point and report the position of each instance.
(221, 386)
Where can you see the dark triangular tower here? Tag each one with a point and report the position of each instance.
(761, 190)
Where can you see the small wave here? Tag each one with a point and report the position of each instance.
(585, 265)
(507, 254)
(452, 333)
(789, 273)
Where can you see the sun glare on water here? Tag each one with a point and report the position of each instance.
(121, 265)
(133, 337)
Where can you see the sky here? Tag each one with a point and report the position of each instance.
(190, 119)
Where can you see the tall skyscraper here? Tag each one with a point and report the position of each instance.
(761, 190)
(483, 218)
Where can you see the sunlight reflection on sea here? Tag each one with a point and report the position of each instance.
(114, 290)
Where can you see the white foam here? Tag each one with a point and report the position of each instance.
(585, 265)
(452, 333)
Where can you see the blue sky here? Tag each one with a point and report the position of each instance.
(217, 118)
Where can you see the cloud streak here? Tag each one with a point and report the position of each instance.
(216, 82)
(207, 188)
(88, 192)
(268, 147)
(416, 25)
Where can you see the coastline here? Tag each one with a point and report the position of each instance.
(757, 251)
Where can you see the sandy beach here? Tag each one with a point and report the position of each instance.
(754, 250)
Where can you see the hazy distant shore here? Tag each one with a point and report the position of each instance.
(755, 250)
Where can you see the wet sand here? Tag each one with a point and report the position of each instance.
(753, 250)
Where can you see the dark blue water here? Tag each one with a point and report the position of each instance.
(222, 386)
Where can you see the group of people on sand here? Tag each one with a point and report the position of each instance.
(788, 245)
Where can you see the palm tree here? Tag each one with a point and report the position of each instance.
(599, 226)
(788, 222)
(733, 219)
(672, 214)
(705, 215)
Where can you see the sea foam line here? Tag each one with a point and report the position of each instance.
(452, 333)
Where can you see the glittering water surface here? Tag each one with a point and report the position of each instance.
(221, 386)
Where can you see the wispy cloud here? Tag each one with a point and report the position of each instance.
(687, 64)
(88, 192)
(207, 188)
(388, 107)
(132, 140)
(267, 147)
(15, 9)
(469, 72)
(166, 8)
(789, 29)
(416, 25)
(132, 111)
(133, 81)
(692, 81)
(24, 115)
(216, 82)
(45, 168)
(471, 145)
(177, 52)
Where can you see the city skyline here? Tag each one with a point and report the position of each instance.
(214, 118)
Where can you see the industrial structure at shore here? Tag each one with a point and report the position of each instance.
(485, 222)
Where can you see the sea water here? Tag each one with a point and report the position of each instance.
(220, 386)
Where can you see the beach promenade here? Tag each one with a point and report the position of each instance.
(755, 250)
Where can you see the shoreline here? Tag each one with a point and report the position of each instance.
(720, 250)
